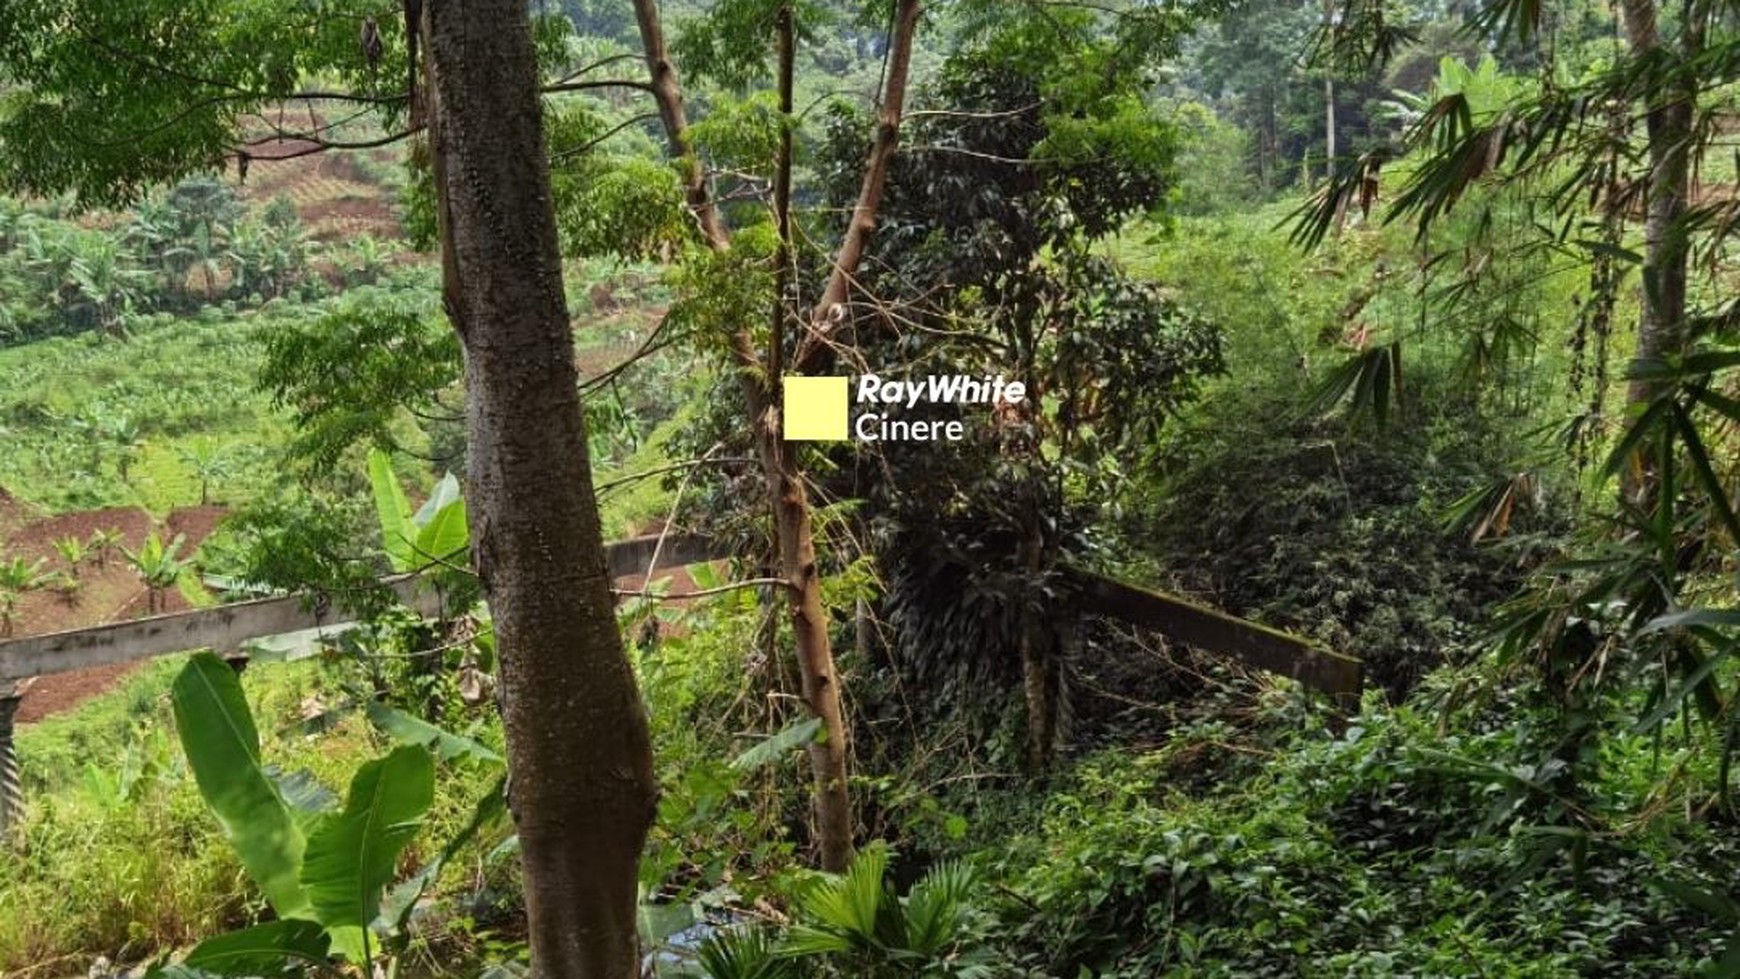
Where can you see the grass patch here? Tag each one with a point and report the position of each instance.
(93, 422)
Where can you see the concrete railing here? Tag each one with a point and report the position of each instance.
(226, 628)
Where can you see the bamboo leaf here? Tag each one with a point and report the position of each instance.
(1709, 902)
(1706, 473)
(1639, 430)
(1717, 618)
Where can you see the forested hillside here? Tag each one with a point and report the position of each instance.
(787, 489)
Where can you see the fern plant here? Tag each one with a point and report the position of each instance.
(855, 925)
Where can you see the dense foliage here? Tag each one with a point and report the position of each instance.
(1407, 328)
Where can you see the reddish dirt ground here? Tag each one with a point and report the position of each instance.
(336, 196)
(51, 695)
(14, 513)
(109, 592)
(112, 593)
(681, 582)
(195, 522)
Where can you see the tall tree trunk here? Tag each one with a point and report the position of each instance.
(667, 92)
(1329, 99)
(1329, 129)
(792, 525)
(795, 534)
(794, 530)
(1661, 328)
(816, 350)
(1038, 642)
(578, 746)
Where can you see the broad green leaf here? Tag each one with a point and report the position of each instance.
(223, 747)
(405, 729)
(352, 855)
(443, 537)
(775, 746)
(446, 494)
(1728, 966)
(194, 590)
(263, 950)
(307, 798)
(396, 908)
(394, 511)
(706, 576)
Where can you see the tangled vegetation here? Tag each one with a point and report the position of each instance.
(1394, 331)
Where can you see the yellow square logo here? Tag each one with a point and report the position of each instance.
(814, 409)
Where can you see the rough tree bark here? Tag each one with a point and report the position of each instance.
(578, 746)
(667, 91)
(794, 531)
(1661, 328)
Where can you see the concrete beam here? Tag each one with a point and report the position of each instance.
(1251, 643)
(225, 628)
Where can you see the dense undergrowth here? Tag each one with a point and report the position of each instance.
(1205, 821)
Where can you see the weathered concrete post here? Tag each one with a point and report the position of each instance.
(11, 799)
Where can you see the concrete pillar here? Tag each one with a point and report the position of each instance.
(11, 798)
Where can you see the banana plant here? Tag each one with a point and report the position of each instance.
(209, 464)
(159, 566)
(104, 283)
(368, 260)
(73, 551)
(22, 575)
(18, 576)
(325, 870)
(434, 535)
(104, 542)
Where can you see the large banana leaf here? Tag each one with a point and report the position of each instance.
(405, 729)
(264, 950)
(351, 857)
(398, 533)
(441, 527)
(401, 901)
(223, 747)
